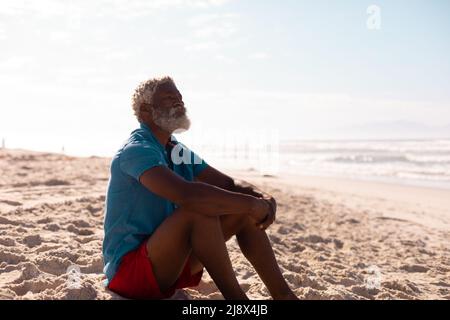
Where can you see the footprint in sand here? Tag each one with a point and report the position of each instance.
(298, 226)
(11, 258)
(93, 210)
(347, 282)
(8, 242)
(284, 230)
(94, 264)
(32, 240)
(302, 280)
(404, 286)
(414, 268)
(295, 267)
(441, 284)
(81, 224)
(29, 271)
(338, 243)
(52, 227)
(53, 265)
(247, 274)
(298, 248)
(56, 182)
(11, 202)
(45, 220)
(81, 232)
(4, 220)
(410, 243)
(364, 292)
(86, 291)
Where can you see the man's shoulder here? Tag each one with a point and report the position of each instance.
(138, 144)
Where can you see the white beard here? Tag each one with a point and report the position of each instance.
(169, 123)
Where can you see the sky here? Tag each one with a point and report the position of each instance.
(295, 69)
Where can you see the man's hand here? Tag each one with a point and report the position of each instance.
(265, 217)
(271, 215)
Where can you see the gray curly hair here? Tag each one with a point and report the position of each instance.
(144, 93)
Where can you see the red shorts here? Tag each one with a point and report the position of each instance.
(134, 278)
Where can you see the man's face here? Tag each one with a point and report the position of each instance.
(168, 111)
(167, 97)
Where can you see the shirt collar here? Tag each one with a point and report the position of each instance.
(152, 137)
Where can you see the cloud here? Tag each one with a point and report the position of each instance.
(2, 34)
(77, 71)
(214, 25)
(224, 59)
(259, 55)
(41, 8)
(119, 55)
(15, 63)
(122, 9)
(202, 46)
(61, 37)
(113, 53)
(209, 32)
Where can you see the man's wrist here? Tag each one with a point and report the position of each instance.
(260, 209)
(248, 189)
(254, 205)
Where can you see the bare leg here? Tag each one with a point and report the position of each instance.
(170, 246)
(256, 247)
(230, 224)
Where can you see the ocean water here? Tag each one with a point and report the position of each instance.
(412, 162)
(416, 162)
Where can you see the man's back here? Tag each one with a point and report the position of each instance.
(132, 211)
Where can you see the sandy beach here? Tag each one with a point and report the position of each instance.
(334, 238)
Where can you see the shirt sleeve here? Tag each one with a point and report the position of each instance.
(136, 158)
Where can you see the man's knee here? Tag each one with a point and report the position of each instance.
(233, 224)
(193, 216)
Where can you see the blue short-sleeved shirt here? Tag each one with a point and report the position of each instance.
(132, 211)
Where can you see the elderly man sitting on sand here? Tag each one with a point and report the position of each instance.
(168, 219)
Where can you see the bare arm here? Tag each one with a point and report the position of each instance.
(214, 177)
(202, 197)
